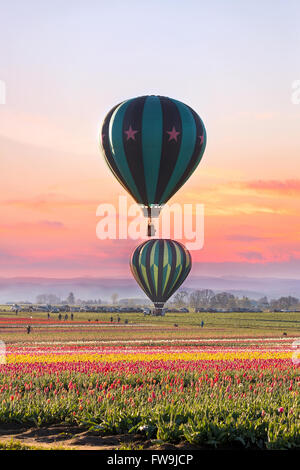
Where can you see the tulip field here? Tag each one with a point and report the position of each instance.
(196, 390)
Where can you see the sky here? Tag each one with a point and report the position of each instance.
(66, 64)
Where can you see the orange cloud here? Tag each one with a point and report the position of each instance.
(284, 188)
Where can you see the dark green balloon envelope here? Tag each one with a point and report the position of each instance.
(152, 144)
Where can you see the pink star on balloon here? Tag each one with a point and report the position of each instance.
(173, 134)
(130, 133)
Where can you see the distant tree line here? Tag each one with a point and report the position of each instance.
(53, 299)
(201, 299)
(206, 299)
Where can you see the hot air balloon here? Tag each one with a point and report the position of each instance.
(160, 266)
(152, 145)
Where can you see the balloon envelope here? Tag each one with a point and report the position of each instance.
(160, 266)
(152, 144)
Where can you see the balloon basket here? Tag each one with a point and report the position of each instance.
(158, 310)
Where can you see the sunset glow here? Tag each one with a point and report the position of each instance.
(53, 176)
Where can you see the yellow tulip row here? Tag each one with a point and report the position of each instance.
(133, 357)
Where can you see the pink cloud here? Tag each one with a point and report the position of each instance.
(291, 186)
(50, 201)
(245, 238)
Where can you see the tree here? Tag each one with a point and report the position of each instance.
(195, 299)
(47, 299)
(263, 302)
(284, 303)
(41, 299)
(223, 300)
(179, 298)
(201, 298)
(71, 299)
(244, 302)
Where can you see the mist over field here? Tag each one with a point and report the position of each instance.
(27, 289)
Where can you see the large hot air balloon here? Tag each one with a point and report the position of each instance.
(160, 266)
(152, 144)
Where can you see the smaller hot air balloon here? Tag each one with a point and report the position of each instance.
(160, 266)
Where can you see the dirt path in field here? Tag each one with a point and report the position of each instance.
(63, 437)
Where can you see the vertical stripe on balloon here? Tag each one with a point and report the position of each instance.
(107, 152)
(132, 141)
(200, 144)
(170, 146)
(117, 147)
(152, 143)
(186, 148)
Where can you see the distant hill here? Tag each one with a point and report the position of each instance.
(248, 286)
(14, 289)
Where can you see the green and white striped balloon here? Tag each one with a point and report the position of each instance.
(160, 266)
